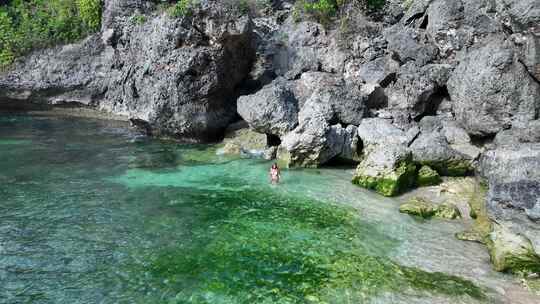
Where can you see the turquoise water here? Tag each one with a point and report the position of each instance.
(94, 213)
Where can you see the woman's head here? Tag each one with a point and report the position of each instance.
(274, 166)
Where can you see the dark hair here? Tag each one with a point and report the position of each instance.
(274, 166)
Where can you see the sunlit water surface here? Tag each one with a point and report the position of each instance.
(94, 213)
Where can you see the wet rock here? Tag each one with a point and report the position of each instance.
(432, 149)
(418, 207)
(470, 236)
(245, 142)
(447, 211)
(389, 170)
(512, 252)
(425, 209)
(272, 110)
(427, 177)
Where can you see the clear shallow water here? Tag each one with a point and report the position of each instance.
(92, 213)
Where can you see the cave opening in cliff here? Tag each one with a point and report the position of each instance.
(430, 105)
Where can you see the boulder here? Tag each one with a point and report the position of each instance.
(417, 91)
(511, 252)
(433, 150)
(514, 199)
(338, 100)
(447, 211)
(272, 110)
(523, 14)
(409, 44)
(425, 209)
(511, 163)
(388, 170)
(313, 143)
(418, 207)
(378, 131)
(444, 146)
(526, 133)
(491, 90)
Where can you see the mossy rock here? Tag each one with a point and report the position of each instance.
(470, 236)
(418, 207)
(428, 177)
(451, 167)
(391, 184)
(447, 211)
(421, 207)
(511, 252)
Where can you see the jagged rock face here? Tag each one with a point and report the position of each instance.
(491, 90)
(67, 73)
(514, 192)
(174, 77)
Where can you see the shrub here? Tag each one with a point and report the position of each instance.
(182, 8)
(138, 19)
(31, 24)
(90, 13)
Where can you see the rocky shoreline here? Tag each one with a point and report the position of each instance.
(420, 90)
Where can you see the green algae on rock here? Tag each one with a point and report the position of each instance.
(447, 211)
(418, 207)
(244, 140)
(389, 173)
(470, 236)
(264, 247)
(423, 208)
(511, 252)
(427, 177)
(451, 167)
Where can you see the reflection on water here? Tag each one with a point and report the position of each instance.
(92, 213)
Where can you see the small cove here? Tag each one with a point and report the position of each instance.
(94, 213)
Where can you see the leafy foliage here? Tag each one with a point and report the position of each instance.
(26, 25)
(182, 8)
(324, 10)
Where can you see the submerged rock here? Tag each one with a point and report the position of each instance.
(470, 236)
(245, 141)
(427, 177)
(447, 211)
(418, 207)
(425, 209)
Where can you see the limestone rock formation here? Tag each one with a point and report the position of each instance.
(272, 110)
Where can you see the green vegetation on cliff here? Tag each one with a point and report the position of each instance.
(324, 10)
(27, 25)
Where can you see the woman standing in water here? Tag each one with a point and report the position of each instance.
(275, 174)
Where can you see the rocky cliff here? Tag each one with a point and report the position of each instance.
(453, 85)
